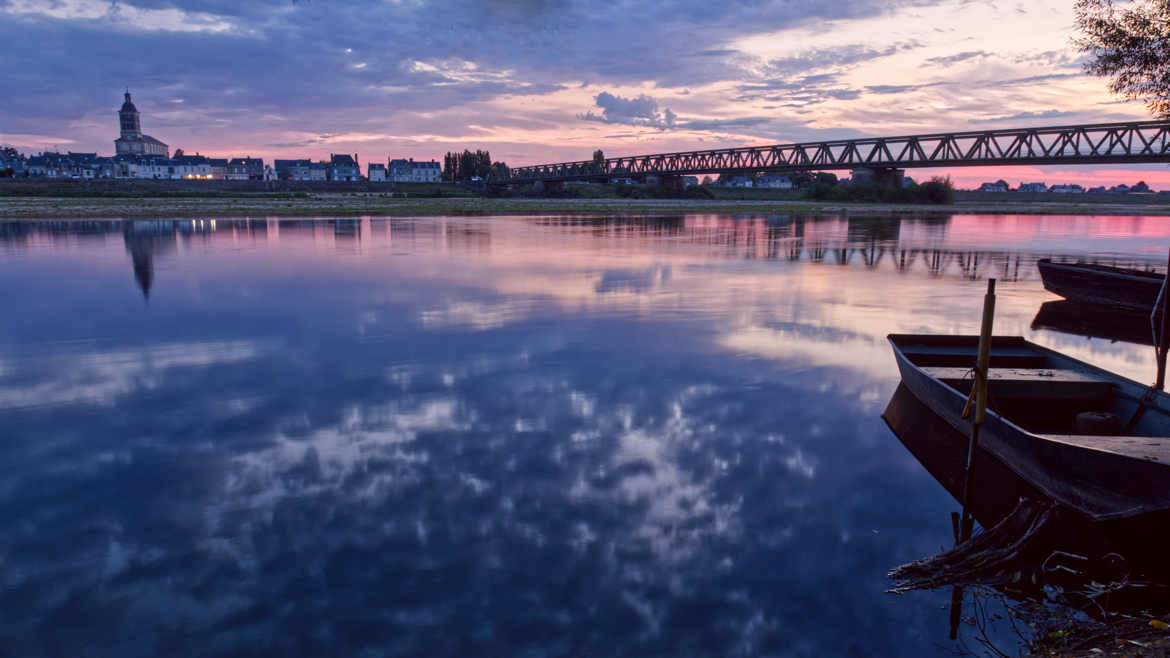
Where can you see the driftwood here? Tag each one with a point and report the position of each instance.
(996, 556)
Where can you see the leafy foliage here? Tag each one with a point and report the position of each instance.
(1131, 46)
(467, 165)
(599, 160)
(937, 191)
(662, 192)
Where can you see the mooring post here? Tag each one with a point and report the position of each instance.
(963, 524)
(1163, 344)
(982, 363)
(956, 611)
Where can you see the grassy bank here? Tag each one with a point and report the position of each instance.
(356, 204)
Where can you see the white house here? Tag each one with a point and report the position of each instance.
(1032, 187)
(409, 171)
(149, 167)
(775, 182)
(190, 167)
(376, 173)
(997, 186)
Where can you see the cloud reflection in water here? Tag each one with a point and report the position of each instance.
(558, 436)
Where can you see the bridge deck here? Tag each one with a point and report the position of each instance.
(1106, 143)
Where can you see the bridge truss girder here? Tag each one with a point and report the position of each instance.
(1107, 143)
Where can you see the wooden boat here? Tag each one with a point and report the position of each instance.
(1101, 284)
(1057, 430)
(1095, 321)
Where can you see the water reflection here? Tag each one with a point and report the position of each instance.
(939, 245)
(486, 436)
(145, 240)
(1109, 323)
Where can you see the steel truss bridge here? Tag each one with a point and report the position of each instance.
(1102, 143)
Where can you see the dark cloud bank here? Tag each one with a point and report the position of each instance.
(328, 67)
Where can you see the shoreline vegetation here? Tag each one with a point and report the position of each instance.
(162, 199)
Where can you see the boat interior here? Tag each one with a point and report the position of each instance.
(1047, 394)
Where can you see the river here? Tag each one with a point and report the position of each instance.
(491, 436)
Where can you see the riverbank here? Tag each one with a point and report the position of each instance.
(349, 205)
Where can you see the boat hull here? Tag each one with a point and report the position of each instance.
(1095, 284)
(1095, 321)
(1097, 483)
(1110, 501)
(942, 451)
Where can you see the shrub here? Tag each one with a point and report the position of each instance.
(937, 190)
(819, 190)
(839, 193)
(698, 192)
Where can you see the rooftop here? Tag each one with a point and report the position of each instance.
(140, 138)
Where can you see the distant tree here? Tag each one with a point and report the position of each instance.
(1140, 187)
(500, 171)
(706, 180)
(178, 153)
(483, 164)
(825, 177)
(1131, 46)
(467, 163)
(599, 160)
(937, 190)
(450, 167)
(800, 179)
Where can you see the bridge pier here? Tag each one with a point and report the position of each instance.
(881, 176)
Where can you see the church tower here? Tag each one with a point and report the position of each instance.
(132, 141)
(131, 124)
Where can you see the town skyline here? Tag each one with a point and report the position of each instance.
(772, 74)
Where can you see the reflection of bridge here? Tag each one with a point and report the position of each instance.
(1107, 143)
(872, 242)
(906, 245)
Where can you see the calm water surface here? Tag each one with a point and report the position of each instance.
(489, 437)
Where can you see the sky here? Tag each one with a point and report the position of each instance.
(538, 81)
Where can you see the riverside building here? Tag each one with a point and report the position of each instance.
(132, 141)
